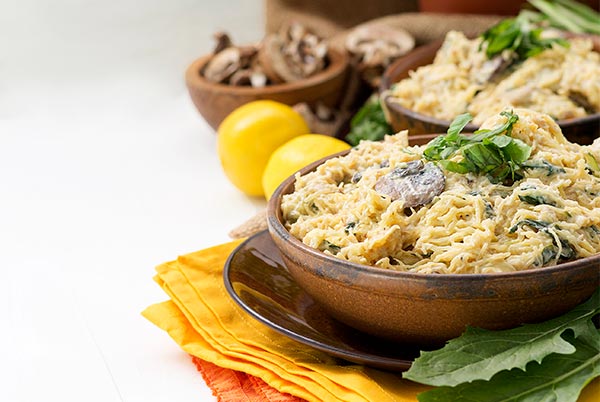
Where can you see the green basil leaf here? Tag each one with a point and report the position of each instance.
(517, 151)
(457, 167)
(458, 125)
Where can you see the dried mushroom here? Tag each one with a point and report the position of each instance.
(234, 65)
(374, 47)
(292, 54)
(415, 183)
(322, 119)
(223, 65)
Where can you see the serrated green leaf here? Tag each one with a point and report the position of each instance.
(479, 354)
(558, 378)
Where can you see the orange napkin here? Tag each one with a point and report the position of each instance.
(203, 319)
(235, 386)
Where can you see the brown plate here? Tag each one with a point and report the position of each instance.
(259, 282)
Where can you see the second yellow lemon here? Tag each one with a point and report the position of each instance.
(294, 155)
(249, 135)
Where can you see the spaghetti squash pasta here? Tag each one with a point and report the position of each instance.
(549, 214)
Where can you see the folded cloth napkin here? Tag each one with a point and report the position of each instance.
(235, 386)
(202, 318)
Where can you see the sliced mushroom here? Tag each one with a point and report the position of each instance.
(414, 183)
(321, 119)
(271, 58)
(292, 54)
(582, 100)
(223, 41)
(222, 65)
(374, 47)
(241, 77)
(492, 68)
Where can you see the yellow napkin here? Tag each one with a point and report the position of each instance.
(203, 319)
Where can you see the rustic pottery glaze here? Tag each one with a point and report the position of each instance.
(581, 130)
(216, 101)
(427, 309)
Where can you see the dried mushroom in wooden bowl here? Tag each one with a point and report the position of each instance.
(290, 55)
(291, 66)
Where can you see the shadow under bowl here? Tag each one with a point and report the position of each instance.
(215, 101)
(582, 130)
(427, 309)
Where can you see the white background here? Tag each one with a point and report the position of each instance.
(106, 170)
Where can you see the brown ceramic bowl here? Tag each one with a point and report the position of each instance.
(427, 309)
(216, 101)
(581, 130)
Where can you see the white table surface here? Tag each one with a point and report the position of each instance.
(106, 171)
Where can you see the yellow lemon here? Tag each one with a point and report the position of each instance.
(294, 155)
(248, 136)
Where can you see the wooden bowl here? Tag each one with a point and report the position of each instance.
(216, 101)
(582, 130)
(427, 309)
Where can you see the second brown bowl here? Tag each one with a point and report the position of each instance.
(582, 130)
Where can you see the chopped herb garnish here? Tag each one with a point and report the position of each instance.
(592, 163)
(533, 199)
(519, 36)
(368, 123)
(489, 210)
(349, 227)
(594, 229)
(492, 152)
(327, 245)
(545, 165)
(539, 225)
(548, 254)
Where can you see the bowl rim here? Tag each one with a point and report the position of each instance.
(338, 63)
(277, 228)
(424, 51)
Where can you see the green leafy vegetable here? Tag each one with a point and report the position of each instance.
(552, 360)
(493, 152)
(545, 165)
(519, 36)
(349, 227)
(568, 15)
(327, 245)
(479, 354)
(534, 199)
(538, 225)
(558, 377)
(592, 163)
(368, 123)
